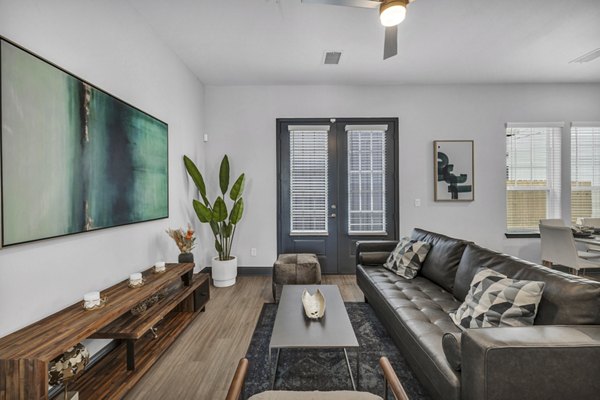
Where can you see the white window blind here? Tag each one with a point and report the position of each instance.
(532, 175)
(308, 180)
(585, 170)
(366, 180)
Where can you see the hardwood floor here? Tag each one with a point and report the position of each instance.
(201, 363)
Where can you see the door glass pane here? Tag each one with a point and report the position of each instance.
(308, 182)
(366, 183)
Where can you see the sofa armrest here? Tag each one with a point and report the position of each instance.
(536, 362)
(374, 252)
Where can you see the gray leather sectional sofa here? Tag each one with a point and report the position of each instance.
(557, 358)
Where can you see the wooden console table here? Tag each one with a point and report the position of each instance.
(25, 354)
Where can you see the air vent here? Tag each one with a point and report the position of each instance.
(332, 57)
(591, 56)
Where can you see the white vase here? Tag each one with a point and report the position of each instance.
(224, 272)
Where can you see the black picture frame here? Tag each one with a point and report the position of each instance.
(449, 184)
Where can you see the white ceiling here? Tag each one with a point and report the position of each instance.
(441, 41)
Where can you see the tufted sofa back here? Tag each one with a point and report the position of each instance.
(567, 299)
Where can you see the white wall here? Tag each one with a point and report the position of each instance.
(241, 122)
(106, 43)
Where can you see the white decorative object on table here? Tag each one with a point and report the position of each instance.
(136, 280)
(159, 267)
(314, 304)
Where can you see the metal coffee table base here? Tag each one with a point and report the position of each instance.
(354, 385)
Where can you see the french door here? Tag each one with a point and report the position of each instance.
(337, 184)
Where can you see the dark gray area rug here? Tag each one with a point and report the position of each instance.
(325, 369)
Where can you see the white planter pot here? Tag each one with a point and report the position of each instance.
(224, 272)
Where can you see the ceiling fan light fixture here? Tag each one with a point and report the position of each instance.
(392, 12)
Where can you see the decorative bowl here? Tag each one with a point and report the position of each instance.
(314, 304)
(66, 366)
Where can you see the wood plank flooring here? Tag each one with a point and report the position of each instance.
(201, 363)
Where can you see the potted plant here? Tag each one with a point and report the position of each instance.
(223, 220)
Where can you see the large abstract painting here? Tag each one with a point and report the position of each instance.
(74, 158)
(453, 170)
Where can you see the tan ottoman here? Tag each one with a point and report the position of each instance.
(295, 269)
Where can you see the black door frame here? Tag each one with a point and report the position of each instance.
(393, 121)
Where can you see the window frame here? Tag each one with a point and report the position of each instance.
(553, 187)
(576, 188)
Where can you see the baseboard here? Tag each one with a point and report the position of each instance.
(244, 271)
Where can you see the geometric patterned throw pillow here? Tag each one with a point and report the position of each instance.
(496, 300)
(407, 257)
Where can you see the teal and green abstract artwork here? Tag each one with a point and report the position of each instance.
(74, 158)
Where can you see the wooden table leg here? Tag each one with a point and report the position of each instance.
(131, 355)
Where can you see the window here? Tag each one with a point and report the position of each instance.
(585, 170)
(366, 179)
(308, 179)
(532, 175)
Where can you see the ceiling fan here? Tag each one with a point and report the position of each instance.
(391, 13)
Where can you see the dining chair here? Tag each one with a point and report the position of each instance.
(552, 222)
(558, 247)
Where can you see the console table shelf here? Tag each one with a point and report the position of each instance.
(25, 354)
(129, 326)
(109, 378)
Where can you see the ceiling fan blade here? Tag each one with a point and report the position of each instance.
(347, 3)
(390, 44)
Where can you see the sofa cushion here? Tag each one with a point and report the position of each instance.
(421, 304)
(452, 349)
(567, 299)
(442, 260)
(406, 259)
(495, 300)
(373, 257)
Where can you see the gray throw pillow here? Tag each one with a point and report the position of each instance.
(496, 300)
(407, 257)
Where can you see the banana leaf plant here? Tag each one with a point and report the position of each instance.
(223, 220)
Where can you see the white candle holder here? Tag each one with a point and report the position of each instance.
(93, 301)
(136, 280)
(160, 267)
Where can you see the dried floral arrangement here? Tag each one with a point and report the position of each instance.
(185, 240)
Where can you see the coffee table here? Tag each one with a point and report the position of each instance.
(292, 329)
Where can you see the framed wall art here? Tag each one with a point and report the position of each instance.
(73, 157)
(453, 170)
